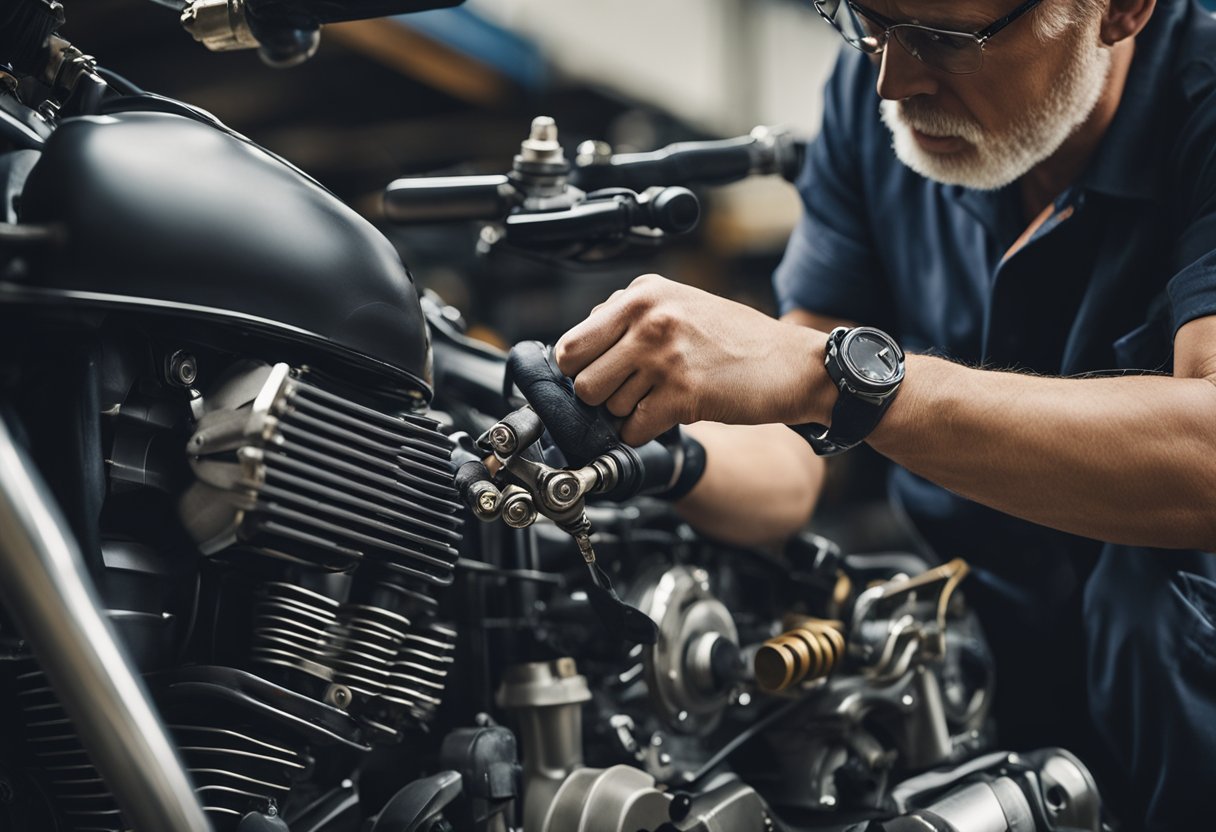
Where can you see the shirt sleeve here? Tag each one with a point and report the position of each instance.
(829, 266)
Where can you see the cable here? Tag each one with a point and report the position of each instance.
(745, 735)
(120, 83)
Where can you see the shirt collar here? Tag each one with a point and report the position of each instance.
(1128, 164)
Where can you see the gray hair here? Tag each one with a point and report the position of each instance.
(1053, 17)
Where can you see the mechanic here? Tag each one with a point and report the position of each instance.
(1030, 213)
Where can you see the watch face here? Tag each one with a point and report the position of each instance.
(873, 359)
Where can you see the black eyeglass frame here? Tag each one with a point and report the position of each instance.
(981, 37)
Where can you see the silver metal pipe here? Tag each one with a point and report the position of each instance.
(546, 698)
(45, 587)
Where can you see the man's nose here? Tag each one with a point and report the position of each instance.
(901, 76)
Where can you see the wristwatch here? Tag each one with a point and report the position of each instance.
(867, 366)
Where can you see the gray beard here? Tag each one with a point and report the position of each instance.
(993, 161)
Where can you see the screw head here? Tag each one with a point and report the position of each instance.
(561, 490)
(502, 438)
(339, 696)
(182, 368)
(518, 512)
(486, 502)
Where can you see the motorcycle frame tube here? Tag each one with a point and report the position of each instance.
(44, 586)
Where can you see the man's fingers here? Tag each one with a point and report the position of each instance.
(596, 383)
(625, 399)
(650, 417)
(611, 298)
(587, 341)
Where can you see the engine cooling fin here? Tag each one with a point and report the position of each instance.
(297, 471)
(291, 626)
(418, 674)
(80, 795)
(235, 770)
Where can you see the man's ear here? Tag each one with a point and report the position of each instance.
(1124, 19)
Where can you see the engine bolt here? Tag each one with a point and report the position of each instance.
(339, 696)
(486, 502)
(502, 438)
(182, 369)
(561, 490)
(518, 511)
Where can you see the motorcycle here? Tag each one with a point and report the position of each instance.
(281, 548)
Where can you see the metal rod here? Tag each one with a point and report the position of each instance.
(43, 584)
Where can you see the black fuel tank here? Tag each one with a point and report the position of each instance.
(164, 208)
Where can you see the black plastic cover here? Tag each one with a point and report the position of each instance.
(162, 207)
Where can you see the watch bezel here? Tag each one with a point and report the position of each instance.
(853, 377)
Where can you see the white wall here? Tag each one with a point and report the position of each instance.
(725, 65)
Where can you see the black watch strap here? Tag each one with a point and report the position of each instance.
(855, 417)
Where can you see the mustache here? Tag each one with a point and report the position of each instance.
(925, 118)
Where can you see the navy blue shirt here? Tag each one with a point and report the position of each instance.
(1128, 257)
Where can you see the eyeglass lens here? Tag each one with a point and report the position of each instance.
(953, 52)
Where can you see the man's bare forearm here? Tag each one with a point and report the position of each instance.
(1127, 460)
(759, 487)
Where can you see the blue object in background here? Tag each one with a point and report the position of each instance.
(464, 31)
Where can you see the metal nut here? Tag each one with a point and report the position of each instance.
(182, 369)
(518, 512)
(339, 696)
(561, 491)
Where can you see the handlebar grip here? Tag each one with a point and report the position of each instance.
(677, 164)
(448, 198)
(697, 163)
(658, 467)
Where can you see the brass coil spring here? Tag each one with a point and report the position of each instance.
(807, 652)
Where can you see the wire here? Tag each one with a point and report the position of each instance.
(122, 84)
(744, 736)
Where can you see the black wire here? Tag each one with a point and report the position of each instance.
(121, 83)
(745, 735)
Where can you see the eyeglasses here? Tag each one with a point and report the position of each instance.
(959, 53)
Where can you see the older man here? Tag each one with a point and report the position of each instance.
(1024, 200)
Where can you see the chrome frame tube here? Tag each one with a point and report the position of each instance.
(45, 587)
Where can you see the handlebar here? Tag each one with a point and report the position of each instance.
(316, 12)
(673, 210)
(764, 151)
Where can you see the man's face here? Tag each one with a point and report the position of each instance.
(986, 129)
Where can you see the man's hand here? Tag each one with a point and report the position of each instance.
(660, 353)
